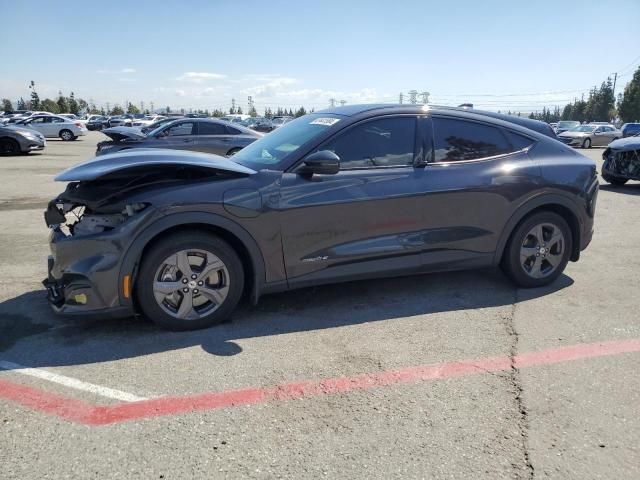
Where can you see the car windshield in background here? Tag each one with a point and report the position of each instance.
(584, 128)
(271, 150)
(565, 124)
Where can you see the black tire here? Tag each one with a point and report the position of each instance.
(511, 259)
(188, 240)
(586, 143)
(233, 151)
(66, 135)
(614, 180)
(8, 146)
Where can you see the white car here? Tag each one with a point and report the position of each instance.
(146, 121)
(52, 126)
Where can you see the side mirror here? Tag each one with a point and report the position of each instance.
(324, 162)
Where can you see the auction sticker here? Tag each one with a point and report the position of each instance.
(325, 121)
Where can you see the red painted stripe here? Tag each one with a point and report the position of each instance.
(74, 410)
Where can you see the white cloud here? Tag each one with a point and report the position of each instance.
(105, 71)
(200, 77)
(181, 93)
(273, 86)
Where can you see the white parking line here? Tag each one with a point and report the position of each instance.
(70, 382)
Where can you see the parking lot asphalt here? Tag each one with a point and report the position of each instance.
(457, 375)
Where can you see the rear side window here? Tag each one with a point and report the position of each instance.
(518, 142)
(233, 131)
(208, 128)
(457, 140)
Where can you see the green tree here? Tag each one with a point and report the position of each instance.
(239, 110)
(117, 110)
(132, 108)
(21, 105)
(300, 112)
(83, 106)
(7, 106)
(63, 105)
(629, 105)
(49, 105)
(35, 99)
(73, 105)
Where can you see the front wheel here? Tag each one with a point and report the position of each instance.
(8, 146)
(614, 180)
(586, 143)
(538, 250)
(67, 135)
(190, 280)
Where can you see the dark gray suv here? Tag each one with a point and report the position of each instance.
(345, 194)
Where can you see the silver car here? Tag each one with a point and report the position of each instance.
(16, 140)
(586, 136)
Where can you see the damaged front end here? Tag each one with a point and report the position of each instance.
(104, 208)
(622, 160)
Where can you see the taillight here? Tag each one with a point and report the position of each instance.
(78, 124)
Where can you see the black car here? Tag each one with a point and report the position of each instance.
(345, 194)
(630, 129)
(196, 134)
(622, 160)
(98, 123)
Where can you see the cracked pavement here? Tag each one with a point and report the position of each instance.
(577, 419)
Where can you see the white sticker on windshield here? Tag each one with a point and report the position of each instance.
(325, 121)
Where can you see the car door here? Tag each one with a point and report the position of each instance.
(56, 124)
(213, 138)
(477, 170)
(179, 136)
(41, 124)
(364, 220)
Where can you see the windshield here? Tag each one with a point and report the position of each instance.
(584, 128)
(565, 124)
(272, 149)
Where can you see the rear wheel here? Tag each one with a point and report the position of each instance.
(190, 280)
(8, 146)
(538, 250)
(586, 143)
(66, 135)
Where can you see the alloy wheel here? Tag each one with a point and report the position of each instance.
(542, 250)
(191, 284)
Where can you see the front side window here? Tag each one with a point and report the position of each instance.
(385, 142)
(180, 129)
(457, 140)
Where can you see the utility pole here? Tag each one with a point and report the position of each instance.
(250, 103)
(615, 78)
(413, 94)
(332, 102)
(233, 105)
(108, 108)
(425, 97)
(141, 107)
(151, 103)
(343, 103)
(401, 97)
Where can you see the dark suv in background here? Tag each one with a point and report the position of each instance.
(630, 129)
(345, 194)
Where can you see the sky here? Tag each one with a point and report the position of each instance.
(198, 54)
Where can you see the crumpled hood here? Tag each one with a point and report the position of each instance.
(626, 144)
(134, 158)
(124, 133)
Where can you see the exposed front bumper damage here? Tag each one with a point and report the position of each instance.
(84, 268)
(623, 164)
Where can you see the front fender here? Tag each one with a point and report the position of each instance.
(131, 259)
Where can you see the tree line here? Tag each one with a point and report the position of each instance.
(600, 105)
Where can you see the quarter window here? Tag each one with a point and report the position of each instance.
(457, 140)
(384, 142)
(233, 131)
